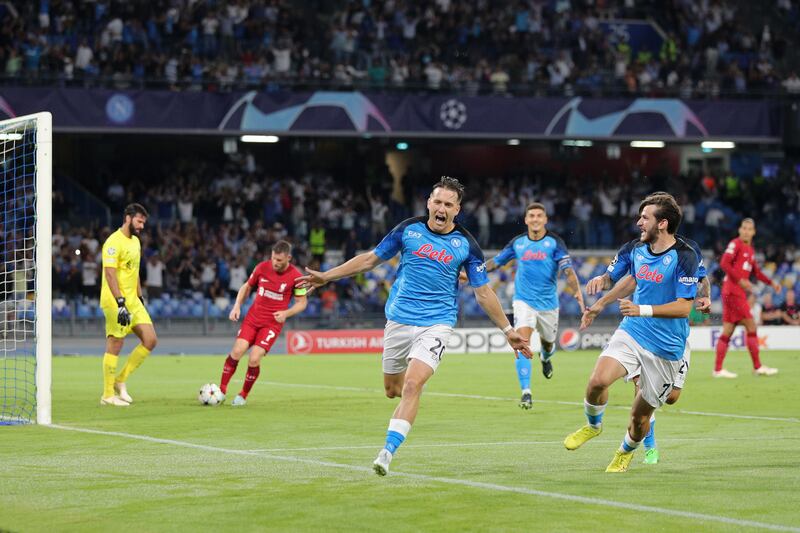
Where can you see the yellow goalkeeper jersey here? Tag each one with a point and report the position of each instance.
(122, 253)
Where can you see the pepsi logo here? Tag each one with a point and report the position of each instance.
(569, 339)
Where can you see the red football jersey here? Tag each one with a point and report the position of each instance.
(273, 291)
(739, 261)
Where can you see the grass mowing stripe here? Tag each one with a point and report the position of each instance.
(556, 402)
(506, 443)
(450, 481)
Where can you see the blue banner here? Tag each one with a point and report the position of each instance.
(356, 113)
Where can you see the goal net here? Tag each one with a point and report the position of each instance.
(25, 270)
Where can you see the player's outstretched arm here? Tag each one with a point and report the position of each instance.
(598, 284)
(241, 297)
(575, 286)
(680, 308)
(360, 263)
(488, 301)
(622, 289)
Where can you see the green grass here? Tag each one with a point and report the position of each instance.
(298, 456)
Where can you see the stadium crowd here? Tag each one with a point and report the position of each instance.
(506, 46)
(209, 226)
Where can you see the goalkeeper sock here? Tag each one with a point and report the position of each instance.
(228, 370)
(135, 359)
(249, 379)
(523, 371)
(109, 372)
(396, 434)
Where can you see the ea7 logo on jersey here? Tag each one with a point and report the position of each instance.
(688, 280)
(414, 234)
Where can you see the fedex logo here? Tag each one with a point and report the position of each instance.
(649, 275)
(738, 340)
(426, 251)
(534, 256)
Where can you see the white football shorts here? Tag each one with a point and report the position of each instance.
(657, 376)
(680, 381)
(402, 342)
(545, 323)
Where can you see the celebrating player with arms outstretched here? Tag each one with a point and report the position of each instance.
(540, 256)
(120, 300)
(275, 282)
(422, 306)
(738, 262)
(651, 339)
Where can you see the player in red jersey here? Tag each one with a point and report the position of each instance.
(738, 262)
(274, 282)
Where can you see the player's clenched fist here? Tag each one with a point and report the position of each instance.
(628, 308)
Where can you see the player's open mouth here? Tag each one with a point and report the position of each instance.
(440, 218)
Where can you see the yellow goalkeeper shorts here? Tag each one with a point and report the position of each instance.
(139, 315)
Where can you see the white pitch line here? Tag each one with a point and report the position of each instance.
(503, 443)
(555, 402)
(449, 481)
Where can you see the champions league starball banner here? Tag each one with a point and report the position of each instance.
(359, 114)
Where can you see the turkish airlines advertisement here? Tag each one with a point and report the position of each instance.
(492, 340)
(320, 341)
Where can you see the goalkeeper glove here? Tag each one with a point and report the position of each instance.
(123, 315)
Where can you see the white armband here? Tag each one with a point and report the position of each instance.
(507, 329)
(645, 310)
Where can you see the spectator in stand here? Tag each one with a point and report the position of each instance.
(791, 312)
(154, 277)
(771, 314)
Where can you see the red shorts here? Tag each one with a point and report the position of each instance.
(735, 308)
(263, 335)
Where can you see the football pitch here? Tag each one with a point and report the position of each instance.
(298, 456)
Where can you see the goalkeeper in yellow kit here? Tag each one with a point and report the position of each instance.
(121, 301)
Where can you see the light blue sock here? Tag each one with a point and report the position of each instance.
(547, 355)
(594, 413)
(396, 434)
(650, 438)
(628, 444)
(523, 371)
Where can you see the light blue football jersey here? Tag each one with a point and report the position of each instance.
(538, 264)
(621, 264)
(425, 290)
(660, 279)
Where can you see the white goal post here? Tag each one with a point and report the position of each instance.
(26, 270)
